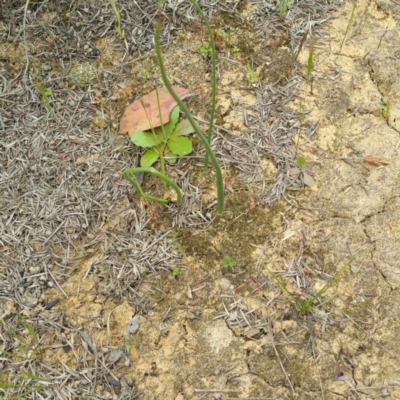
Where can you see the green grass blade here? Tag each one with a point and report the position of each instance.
(285, 289)
(310, 61)
(12, 333)
(213, 75)
(308, 305)
(31, 331)
(350, 23)
(36, 378)
(21, 395)
(331, 282)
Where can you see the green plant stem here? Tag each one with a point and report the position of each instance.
(161, 153)
(161, 148)
(220, 184)
(213, 75)
(129, 175)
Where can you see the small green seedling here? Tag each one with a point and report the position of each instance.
(167, 140)
(46, 93)
(178, 271)
(222, 33)
(349, 24)
(25, 348)
(384, 106)
(235, 49)
(222, 37)
(117, 14)
(314, 302)
(26, 386)
(205, 48)
(301, 171)
(252, 76)
(227, 262)
(283, 6)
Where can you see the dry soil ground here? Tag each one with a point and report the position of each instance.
(106, 296)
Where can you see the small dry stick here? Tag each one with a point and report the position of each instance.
(279, 358)
(301, 45)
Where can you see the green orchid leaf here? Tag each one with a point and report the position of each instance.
(149, 158)
(173, 119)
(170, 157)
(183, 128)
(180, 146)
(146, 139)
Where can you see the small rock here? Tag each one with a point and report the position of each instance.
(113, 382)
(134, 325)
(115, 355)
(66, 348)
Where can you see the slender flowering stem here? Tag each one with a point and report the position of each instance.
(220, 185)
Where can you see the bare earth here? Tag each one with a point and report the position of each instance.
(142, 306)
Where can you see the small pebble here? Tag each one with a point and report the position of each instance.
(113, 382)
(67, 348)
(96, 52)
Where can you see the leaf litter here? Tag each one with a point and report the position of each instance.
(143, 114)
